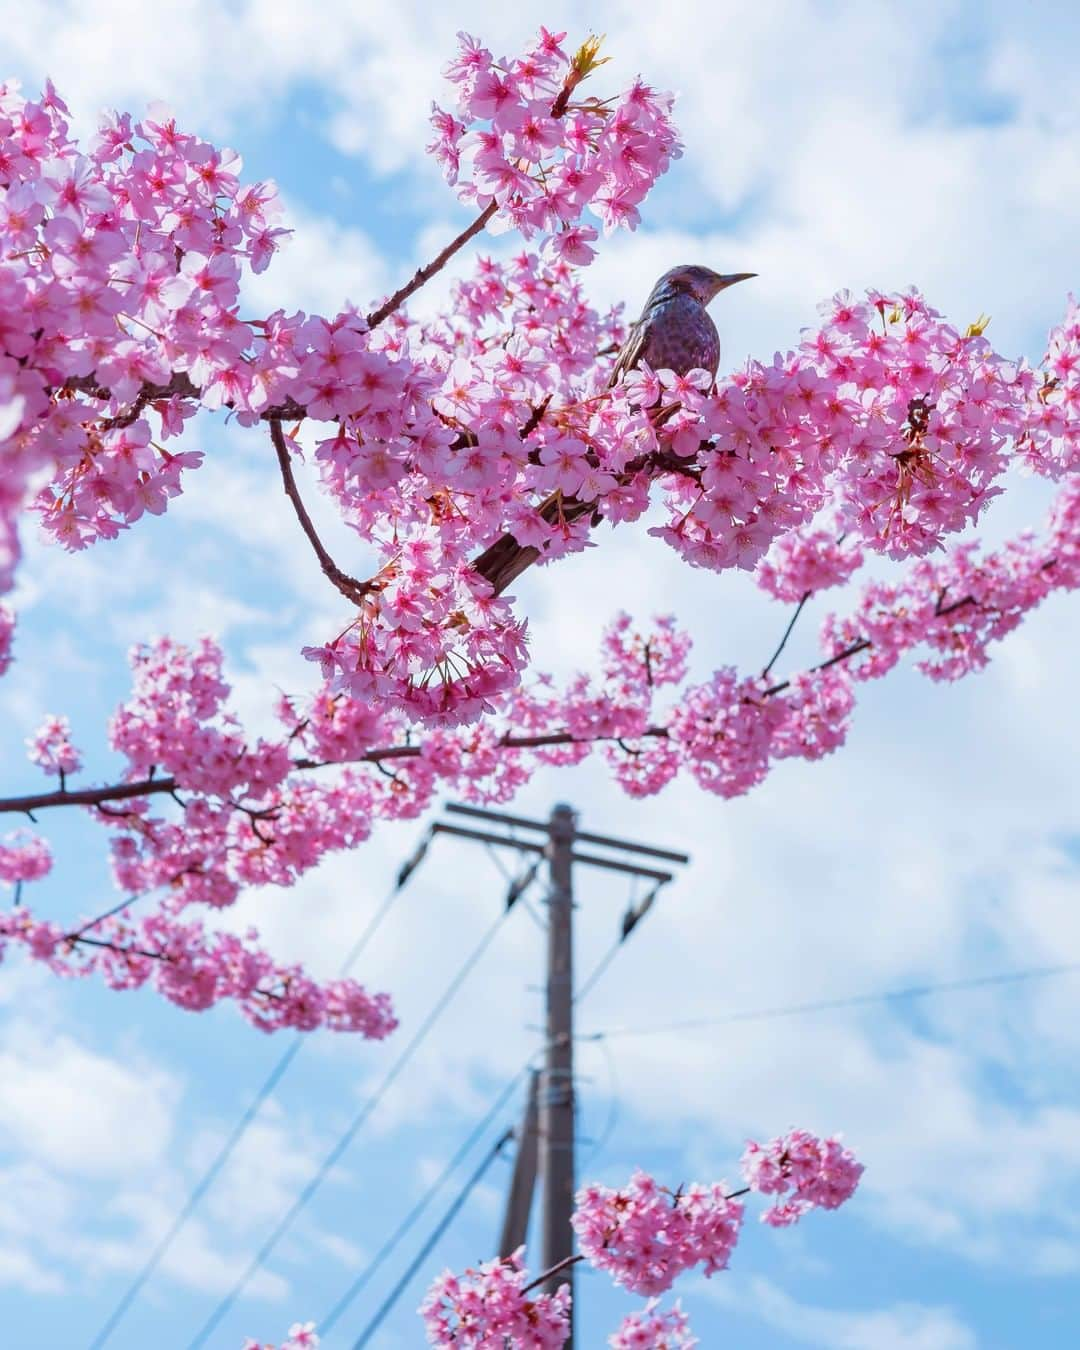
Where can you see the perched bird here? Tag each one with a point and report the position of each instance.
(675, 331)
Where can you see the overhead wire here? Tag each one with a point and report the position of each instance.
(634, 914)
(225, 1152)
(330, 1320)
(421, 1256)
(518, 887)
(603, 1139)
(347, 1136)
(849, 1001)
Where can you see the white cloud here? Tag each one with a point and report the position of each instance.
(79, 1112)
(904, 1326)
(319, 268)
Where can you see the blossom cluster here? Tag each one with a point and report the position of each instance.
(189, 966)
(488, 1307)
(523, 139)
(301, 1337)
(24, 858)
(645, 1236)
(51, 748)
(242, 811)
(812, 1173)
(654, 1329)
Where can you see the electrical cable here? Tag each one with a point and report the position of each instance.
(241, 1127)
(348, 1135)
(598, 970)
(852, 1001)
(633, 915)
(604, 1137)
(421, 1256)
(327, 1323)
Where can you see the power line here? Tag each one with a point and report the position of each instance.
(633, 916)
(851, 1001)
(604, 1137)
(327, 1323)
(346, 1138)
(598, 970)
(440, 1228)
(238, 1131)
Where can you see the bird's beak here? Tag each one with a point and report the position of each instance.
(723, 282)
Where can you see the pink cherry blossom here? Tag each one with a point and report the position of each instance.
(810, 1172)
(652, 1329)
(488, 1307)
(51, 748)
(644, 1236)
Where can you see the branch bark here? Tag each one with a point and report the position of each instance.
(423, 275)
(349, 587)
(149, 787)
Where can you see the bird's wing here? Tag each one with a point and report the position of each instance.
(631, 352)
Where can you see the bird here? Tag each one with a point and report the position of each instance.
(675, 331)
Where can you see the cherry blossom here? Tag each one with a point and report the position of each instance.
(652, 1329)
(488, 1306)
(51, 748)
(301, 1337)
(811, 1172)
(644, 1236)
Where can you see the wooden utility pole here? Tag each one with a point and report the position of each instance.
(557, 1095)
(515, 1227)
(547, 1138)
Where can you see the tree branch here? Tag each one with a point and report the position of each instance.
(349, 587)
(179, 385)
(545, 1275)
(149, 787)
(787, 633)
(423, 275)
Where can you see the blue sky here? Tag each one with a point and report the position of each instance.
(827, 146)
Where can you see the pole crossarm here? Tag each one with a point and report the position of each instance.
(483, 837)
(626, 846)
(497, 817)
(593, 860)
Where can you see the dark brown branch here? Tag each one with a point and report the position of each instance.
(120, 950)
(179, 386)
(545, 1275)
(148, 787)
(787, 633)
(349, 587)
(108, 914)
(844, 655)
(423, 275)
(505, 560)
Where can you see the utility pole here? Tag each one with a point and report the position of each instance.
(515, 1227)
(557, 1098)
(550, 1112)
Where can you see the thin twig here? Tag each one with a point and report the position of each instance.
(93, 923)
(119, 950)
(349, 587)
(564, 1264)
(423, 275)
(787, 633)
